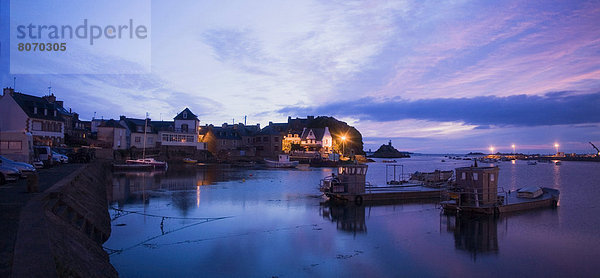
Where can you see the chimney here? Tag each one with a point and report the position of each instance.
(51, 98)
(9, 91)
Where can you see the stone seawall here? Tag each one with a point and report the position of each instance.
(62, 230)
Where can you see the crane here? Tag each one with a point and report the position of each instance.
(597, 150)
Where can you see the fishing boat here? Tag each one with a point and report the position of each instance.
(349, 185)
(282, 162)
(432, 177)
(477, 192)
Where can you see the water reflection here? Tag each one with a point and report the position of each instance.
(348, 218)
(182, 182)
(475, 234)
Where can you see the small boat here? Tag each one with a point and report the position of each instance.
(435, 176)
(350, 185)
(147, 161)
(477, 192)
(283, 162)
(190, 161)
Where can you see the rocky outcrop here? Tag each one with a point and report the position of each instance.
(388, 151)
(62, 230)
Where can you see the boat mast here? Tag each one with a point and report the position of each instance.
(145, 128)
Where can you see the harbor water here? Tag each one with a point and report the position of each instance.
(219, 221)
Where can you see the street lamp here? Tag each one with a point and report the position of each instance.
(343, 141)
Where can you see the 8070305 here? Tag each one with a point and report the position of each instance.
(48, 47)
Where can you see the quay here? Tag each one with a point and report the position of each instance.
(50, 233)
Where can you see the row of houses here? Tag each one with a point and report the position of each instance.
(49, 123)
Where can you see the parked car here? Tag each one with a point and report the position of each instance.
(43, 154)
(8, 173)
(25, 168)
(38, 164)
(59, 158)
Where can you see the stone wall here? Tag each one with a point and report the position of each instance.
(62, 230)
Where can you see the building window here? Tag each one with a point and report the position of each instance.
(138, 139)
(36, 125)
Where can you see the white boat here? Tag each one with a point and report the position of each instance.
(147, 161)
(283, 162)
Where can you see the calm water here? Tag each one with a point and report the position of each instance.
(217, 221)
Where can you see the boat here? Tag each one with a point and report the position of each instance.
(349, 185)
(147, 161)
(282, 162)
(435, 176)
(477, 192)
(190, 161)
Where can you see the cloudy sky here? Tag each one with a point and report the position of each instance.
(432, 76)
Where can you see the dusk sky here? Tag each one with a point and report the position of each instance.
(432, 76)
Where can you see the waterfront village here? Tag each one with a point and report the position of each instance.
(49, 123)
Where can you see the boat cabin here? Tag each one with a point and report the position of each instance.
(479, 183)
(284, 158)
(530, 192)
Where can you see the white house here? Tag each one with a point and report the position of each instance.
(36, 115)
(317, 139)
(184, 132)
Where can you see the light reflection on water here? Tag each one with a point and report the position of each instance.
(215, 221)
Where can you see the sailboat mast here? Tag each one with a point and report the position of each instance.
(145, 129)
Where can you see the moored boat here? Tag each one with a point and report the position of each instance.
(282, 162)
(190, 161)
(349, 185)
(147, 161)
(477, 192)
